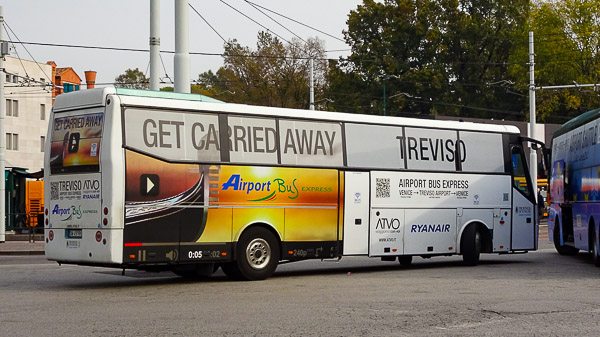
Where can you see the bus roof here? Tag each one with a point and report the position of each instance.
(577, 122)
(181, 101)
(165, 94)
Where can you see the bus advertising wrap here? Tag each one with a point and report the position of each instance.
(210, 204)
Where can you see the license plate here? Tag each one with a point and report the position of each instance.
(73, 234)
(73, 244)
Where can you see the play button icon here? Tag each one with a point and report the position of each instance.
(149, 184)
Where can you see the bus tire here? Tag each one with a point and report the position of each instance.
(257, 254)
(471, 245)
(561, 249)
(595, 246)
(405, 260)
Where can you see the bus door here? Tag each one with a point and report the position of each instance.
(524, 222)
(356, 213)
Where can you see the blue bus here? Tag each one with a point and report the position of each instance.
(574, 214)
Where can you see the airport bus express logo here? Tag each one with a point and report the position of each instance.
(67, 213)
(270, 189)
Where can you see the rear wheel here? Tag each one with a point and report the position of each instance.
(471, 246)
(562, 249)
(405, 260)
(257, 256)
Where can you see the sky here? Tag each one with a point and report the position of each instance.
(126, 24)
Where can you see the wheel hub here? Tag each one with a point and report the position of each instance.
(258, 253)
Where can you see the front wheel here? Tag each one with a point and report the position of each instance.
(471, 246)
(562, 249)
(257, 255)
(595, 248)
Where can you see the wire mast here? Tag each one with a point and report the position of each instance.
(182, 48)
(154, 44)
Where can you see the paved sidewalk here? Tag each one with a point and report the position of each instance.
(22, 248)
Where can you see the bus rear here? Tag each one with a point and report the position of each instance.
(79, 174)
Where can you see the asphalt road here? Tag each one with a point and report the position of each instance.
(539, 293)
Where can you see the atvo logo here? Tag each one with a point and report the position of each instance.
(385, 223)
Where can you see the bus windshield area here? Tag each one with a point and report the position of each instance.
(521, 179)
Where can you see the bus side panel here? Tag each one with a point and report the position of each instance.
(431, 209)
(581, 217)
(430, 231)
(299, 205)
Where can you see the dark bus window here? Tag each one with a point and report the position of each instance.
(521, 180)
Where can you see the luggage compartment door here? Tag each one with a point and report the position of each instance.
(356, 213)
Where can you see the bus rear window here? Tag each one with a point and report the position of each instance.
(75, 143)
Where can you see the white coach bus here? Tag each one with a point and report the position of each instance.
(165, 181)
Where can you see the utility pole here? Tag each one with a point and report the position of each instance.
(532, 152)
(154, 43)
(182, 48)
(3, 48)
(312, 86)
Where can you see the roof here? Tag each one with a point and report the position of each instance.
(172, 100)
(578, 121)
(61, 71)
(165, 94)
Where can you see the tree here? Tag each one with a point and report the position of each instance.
(567, 45)
(433, 57)
(132, 78)
(272, 75)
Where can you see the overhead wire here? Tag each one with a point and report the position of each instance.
(298, 22)
(16, 51)
(265, 14)
(33, 58)
(211, 27)
(251, 19)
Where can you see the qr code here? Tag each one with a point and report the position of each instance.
(383, 188)
(54, 191)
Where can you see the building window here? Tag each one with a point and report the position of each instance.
(12, 107)
(42, 142)
(43, 112)
(12, 141)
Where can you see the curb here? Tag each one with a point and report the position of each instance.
(24, 252)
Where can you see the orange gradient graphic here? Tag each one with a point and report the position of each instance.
(174, 178)
(277, 186)
(300, 204)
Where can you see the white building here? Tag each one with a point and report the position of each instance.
(28, 107)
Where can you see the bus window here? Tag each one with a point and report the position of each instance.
(521, 179)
